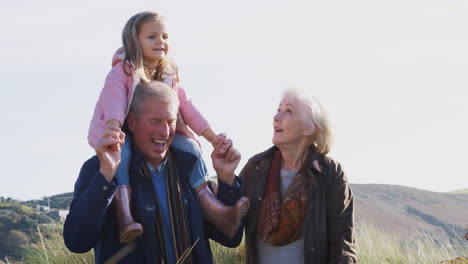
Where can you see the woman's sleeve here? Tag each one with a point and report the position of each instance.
(340, 217)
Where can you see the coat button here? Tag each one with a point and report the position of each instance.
(260, 198)
(312, 250)
(104, 188)
(257, 168)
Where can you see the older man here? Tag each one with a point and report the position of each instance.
(162, 199)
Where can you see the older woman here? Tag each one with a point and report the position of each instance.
(301, 203)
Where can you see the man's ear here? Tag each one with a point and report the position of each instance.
(131, 121)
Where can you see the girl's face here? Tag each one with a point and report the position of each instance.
(154, 41)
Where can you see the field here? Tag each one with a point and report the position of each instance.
(375, 246)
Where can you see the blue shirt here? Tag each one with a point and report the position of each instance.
(160, 185)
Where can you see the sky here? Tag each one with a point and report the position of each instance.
(393, 76)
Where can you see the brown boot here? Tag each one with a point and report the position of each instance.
(128, 228)
(226, 218)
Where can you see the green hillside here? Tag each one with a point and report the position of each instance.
(460, 191)
(20, 223)
(29, 235)
(58, 201)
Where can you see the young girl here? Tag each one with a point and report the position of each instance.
(143, 58)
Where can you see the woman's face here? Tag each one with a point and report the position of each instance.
(288, 124)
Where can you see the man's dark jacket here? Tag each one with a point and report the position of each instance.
(91, 222)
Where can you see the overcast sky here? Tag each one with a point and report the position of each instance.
(392, 74)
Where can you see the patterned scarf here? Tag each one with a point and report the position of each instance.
(281, 218)
(179, 227)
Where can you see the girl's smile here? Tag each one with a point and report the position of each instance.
(153, 39)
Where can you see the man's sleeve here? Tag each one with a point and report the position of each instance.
(228, 195)
(91, 199)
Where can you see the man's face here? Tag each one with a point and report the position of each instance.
(154, 130)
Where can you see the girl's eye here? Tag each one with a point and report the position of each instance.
(288, 111)
(151, 37)
(165, 36)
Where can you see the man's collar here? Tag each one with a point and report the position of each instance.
(159, 168)
(139, 158)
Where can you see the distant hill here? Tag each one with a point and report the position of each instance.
(460, 191)
(58, 201)
(403, 209)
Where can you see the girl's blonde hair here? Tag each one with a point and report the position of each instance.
(315, 118)
(133, 52)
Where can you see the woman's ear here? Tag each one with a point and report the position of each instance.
(308, 132)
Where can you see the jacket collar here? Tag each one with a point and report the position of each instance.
(138, 161)
(313, 159)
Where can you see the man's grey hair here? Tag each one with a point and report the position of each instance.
(154, 89)
(315, 118)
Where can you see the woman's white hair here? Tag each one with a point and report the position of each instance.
(315, 118)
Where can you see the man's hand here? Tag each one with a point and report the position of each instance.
(225, 162)
(108, 151)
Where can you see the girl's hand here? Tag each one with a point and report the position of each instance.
(220, 140)
(113, 124)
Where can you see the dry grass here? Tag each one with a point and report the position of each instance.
(379, 246)
(375, 246)
(384, 247)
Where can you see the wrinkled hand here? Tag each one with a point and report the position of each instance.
(225, 162)
(108, 151)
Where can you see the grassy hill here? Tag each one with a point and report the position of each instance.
(459, 191)
(395, 224)
(400, 209)
(19, 223)
(58, 201)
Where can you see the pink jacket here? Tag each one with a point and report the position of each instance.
(115, 98)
